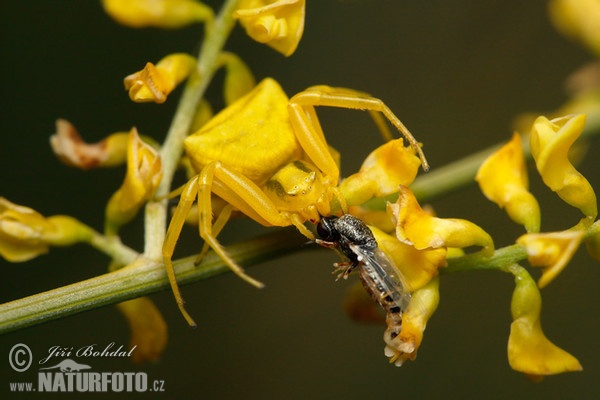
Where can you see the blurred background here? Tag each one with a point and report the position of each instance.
(457, 74)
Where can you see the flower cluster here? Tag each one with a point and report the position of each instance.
(422, 245)
(550, 141)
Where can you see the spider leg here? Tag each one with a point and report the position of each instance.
(348, 98)
(188, 195)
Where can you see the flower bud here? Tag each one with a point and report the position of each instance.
(529, 350)
(155, 82)
(239, 80)
(552, 251)
(550, 144)
(157, 13)
(503, 179)
(144, 172)
(26, 234)
(73, 151)
(148, 329)
(278, 24)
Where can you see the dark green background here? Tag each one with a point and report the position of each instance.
(457, 73)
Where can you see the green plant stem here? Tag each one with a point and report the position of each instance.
(140, 278)
(113, 247)
(172, 148)
(500, 260)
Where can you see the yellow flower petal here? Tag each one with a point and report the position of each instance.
(21, 231)
(419, 229)
(376, 218)
(422, 305)
(148, 329)
(552, 251)
(390, 165)
(579, 19)
(26, 234)
(144, 172)
(73, 151)
(417, 266)
(278, 24)
(157, 13)
(155, 82)
(529, 350)
(503, 179)
(550, 144)
(239, 80)
(66, 231)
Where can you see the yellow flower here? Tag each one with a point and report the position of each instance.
(552, 251)
(144, 172)
(419, 229)
(239, 80)
(73, 151)
(155, 82)
(278, 24)
(417, 266)
(148, 329)
(503, 179)
(157, 13)
(550, 144)
(375, 218)
(390, 165)
(579, 19)
(423, 304)
(529, 350)
(26, 234)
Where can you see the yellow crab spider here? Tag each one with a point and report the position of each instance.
(266, 156)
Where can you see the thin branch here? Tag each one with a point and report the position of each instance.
(212, 46)
(140, 278)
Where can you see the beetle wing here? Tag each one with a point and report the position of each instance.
(382, 277)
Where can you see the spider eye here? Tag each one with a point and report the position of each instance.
(326, 230)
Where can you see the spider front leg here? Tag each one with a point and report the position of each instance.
(188, 195)
(205, 225)
(302, 112)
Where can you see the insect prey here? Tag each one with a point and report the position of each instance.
(381, 279)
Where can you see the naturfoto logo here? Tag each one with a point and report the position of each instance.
(64, 374)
